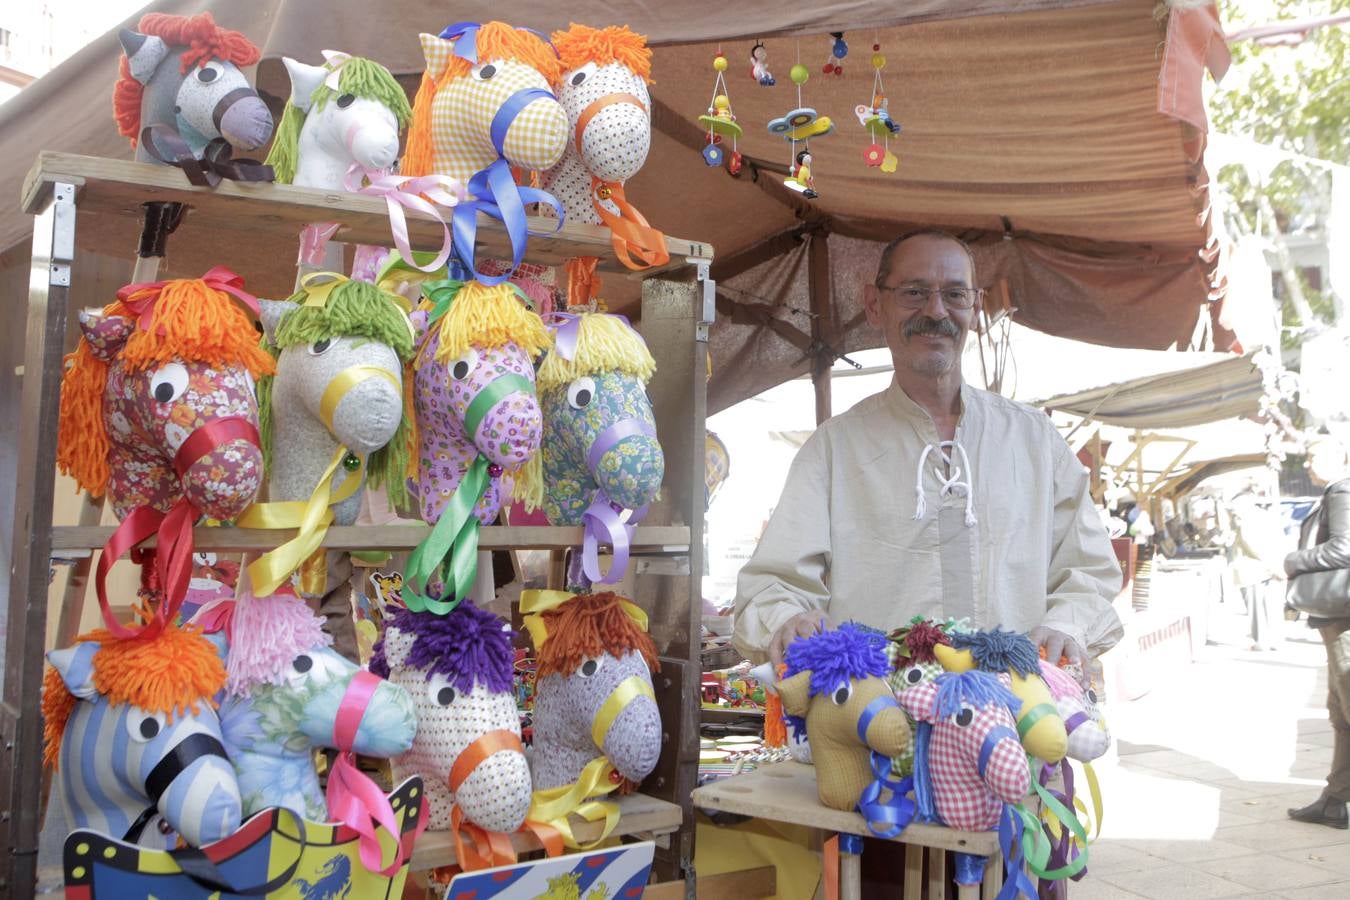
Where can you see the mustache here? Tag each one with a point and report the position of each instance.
(927, 325)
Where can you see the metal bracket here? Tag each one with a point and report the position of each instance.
(63, 233)
(709, 312)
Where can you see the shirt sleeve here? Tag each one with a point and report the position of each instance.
(1084, 576)
(786, 575)
(1334, 552)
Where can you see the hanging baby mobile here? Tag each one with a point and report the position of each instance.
(838, 50)
(759, 65)
(875, 116)
(798, 126)
(720, 121)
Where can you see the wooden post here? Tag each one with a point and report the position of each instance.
(822, 322)
(26, 629)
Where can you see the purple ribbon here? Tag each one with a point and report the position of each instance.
(424, 193)
(1062, 851)
(465, 36)
(614, 435)
(566, 328)
(601, 518)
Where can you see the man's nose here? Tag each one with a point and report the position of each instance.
(933, 307)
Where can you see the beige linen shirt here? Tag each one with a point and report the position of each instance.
(1013, 541)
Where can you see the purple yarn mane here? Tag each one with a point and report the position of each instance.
(1000, 651)
(974, 688)
(464, 645)
(834, 657)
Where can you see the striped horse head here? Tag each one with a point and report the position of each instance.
(133, 735)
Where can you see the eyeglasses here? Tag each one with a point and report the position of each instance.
(915, 296)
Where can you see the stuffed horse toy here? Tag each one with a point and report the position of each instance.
(600, 449)
(1039, 722)
(477, 415)
(596, 725)
(285, 694)
(347, 112)
(835, 683)
(1084, 721)
(158, 411)
(182, 100)
(458, 669)
(913, 663)
(133, 737)
(485, 106)
(333, 416)
(604, 91)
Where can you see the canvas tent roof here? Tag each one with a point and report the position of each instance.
(1030, 126)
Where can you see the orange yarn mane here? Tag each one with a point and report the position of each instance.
(581, 44)
(174, 674)
(495, 40)
(591, 625)
(204, 40)
(191, 321)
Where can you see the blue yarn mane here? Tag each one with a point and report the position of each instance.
(834, 657)
(977, 689)
(1000, 651)
(467, 643)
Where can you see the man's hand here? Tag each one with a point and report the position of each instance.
(1058, 644)
(803, 624)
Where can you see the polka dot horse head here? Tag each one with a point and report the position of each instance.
(458, 668)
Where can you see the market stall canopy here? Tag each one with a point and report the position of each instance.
(1226, 389)
(1061, 137)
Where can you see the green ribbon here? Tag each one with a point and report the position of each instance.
(451, 549)
(1029, 719)
(1068, 820)
(441, 294)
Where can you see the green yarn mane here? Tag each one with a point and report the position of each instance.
(354, 309)
(360, 76)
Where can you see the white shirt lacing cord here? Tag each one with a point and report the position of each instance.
(948, 484)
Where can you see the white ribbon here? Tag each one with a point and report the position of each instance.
(335, 60)
(425, 193)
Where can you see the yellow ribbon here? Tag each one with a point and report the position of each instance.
(624, 693)
(312, 517)
(553, 805)
(534, 603)
(1094, 815)
(319, 285)
(344, 381)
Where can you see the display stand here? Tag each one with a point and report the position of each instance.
(62, 190)
(786, 792)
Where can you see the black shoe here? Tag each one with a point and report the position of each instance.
(1323, 811)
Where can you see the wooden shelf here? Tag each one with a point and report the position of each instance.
(649, 539)
(638, 815)
(786, 792)
(111, 187)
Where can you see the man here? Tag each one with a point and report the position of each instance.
(933, 497)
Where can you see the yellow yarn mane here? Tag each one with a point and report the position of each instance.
(486, 317)
(604, 344)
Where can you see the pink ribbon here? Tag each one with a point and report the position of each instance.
(313, 241)
(215, 616)
(353, 799)
(218, 277)
(424, 193)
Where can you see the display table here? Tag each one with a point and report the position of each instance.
(786, 792)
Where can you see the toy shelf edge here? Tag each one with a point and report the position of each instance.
(119, 187)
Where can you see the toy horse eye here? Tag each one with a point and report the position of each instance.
(463, 367)
(964, 717)
(486, 72)
(168, 382)
(913, 675)
(1091, 695)
(581, 392)
(346, 100)
(143, 726)
(318, 348)
(582, 74)
(841, 694)
(208, 73)
(302, 663)
(439, 690)
(589, 667)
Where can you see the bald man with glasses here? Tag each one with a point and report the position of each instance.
(933, 497)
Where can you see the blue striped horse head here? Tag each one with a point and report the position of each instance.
(133, 735)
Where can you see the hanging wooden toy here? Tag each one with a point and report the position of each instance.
(875, 116)
(759, 65)
(721, 122)
(838, 50)
(799, 126)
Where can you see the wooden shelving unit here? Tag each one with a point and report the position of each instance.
(65, 191)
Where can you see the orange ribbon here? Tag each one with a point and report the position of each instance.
(476, 847)
(630, 233)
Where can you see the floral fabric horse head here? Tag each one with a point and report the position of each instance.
(600, 447)
(975, 762)
(458, 669)
(1083, 718)
(346, 112)
(836, 682)
(285, 693)
(593, 688)
(181, 90)
(913, 663)
(132, 734)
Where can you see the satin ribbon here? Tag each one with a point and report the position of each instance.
(311, 517)
(142, 296)
(1027, 720)
(1068, 851)
(345, 381)
(215, 163)
(601, 519)
(353, 799)
(465, 36)
(553, 806)
(318, 288)
(426, 194)
(173, 554)
(450, 551)
(496, 194)
(335, 60)
(484, 849)
(896, 812)
(566, 328)
(636, 243)
(534, 603)
(313, 241)
(1020, 829)
(443, 293)
(634, 687)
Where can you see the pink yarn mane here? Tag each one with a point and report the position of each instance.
(1060, 683)
(266, 635)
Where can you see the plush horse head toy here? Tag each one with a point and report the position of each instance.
(600, 448)
(133, 737)
(458, 669)
(996, 651)
(1089, 738)
(604, 91)
(183, 101)
(158, 410)
(836, 682)
(485, 106)
(348, 111)
(913, 662)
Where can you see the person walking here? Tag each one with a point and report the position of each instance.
(1257, 564)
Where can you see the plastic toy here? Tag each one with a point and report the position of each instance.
(720, 121)
(759, 65)
(838, 50)
(875, 116)
(800, 125)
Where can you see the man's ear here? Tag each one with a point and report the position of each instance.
(870, 305)
(795, 693)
